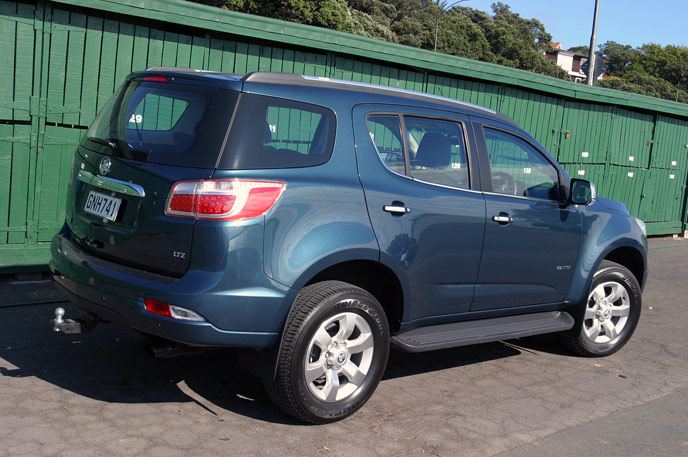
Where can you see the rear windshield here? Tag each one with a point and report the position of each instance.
(165, 121)
(270, 132)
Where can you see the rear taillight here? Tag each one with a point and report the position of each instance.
(223, 199)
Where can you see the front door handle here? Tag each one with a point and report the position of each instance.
(397, 209)
(503, 218)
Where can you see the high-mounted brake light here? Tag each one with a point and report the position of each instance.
(223, 199)
(155, 79)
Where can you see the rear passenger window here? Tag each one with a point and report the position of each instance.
(385, 131)
(270, 132)
(437, 151)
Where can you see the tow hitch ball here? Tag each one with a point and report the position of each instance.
(60, 324)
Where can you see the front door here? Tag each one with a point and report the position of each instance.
(531, 242)
(417, 173)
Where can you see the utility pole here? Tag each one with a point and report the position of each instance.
(593, 46)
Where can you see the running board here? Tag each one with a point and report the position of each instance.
(481, 331)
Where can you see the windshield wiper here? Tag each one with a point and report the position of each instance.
(110, 143)
(115, 145)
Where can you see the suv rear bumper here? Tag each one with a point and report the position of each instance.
(115, 293)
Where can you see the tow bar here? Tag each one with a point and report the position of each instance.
(71, 326)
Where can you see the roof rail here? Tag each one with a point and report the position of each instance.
(271, 77)
(179, 70)
(405, 91)
(285, 78)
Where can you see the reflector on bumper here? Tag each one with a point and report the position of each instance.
(175, 312)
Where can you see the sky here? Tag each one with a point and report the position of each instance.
(631, 22)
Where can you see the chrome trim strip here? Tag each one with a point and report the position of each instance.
(532, 199)
(114, 185)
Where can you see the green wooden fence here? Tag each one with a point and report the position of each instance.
(60, 60)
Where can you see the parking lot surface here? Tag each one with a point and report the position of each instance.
(100, 393)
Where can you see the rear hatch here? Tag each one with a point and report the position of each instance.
(155, 131)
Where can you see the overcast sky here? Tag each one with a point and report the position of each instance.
(626, 21)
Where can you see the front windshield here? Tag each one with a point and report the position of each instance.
(162, 120)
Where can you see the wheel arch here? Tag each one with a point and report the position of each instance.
(360, 267)
(625, 251)
(629, 257)
(374, 277)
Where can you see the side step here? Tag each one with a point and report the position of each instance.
(481, 331)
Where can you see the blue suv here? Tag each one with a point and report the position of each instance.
(312, 224)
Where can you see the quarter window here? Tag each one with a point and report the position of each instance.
(270, 132)
(518, 169)
(437, 151)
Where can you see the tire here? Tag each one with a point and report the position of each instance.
(600, 329)
(335, 308)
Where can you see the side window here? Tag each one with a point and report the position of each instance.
(291, 129)
(437, 151)
(519, 169)
(385, 131)
(270, 132)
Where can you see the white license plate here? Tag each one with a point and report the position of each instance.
(102, 205)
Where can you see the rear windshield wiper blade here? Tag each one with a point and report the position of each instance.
(116, 146)
(111, 143)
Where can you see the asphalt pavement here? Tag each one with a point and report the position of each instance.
(101, 394)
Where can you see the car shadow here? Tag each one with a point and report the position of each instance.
(111, 364)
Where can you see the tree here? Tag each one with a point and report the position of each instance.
(331, 14)
(583, 50)
(646, 84)
(618, 57)
(503, 37)
(518, 42)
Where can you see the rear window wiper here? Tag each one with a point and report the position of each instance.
(115, 145)
(111, 143)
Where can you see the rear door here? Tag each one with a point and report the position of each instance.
(417, 172)
(531, 242)
(155, 131)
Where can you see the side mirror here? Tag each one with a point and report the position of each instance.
(582, 192)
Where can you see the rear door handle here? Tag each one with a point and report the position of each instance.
(396, 209)
(502, 218)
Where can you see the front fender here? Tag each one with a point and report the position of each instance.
(604, 231)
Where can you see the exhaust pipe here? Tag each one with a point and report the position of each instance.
(168, 351)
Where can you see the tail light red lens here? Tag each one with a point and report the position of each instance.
(176, 312)
(182, 203)
(155, 78)
(157, 307)
(223, 199)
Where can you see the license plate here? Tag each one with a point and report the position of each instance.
(102, 205)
